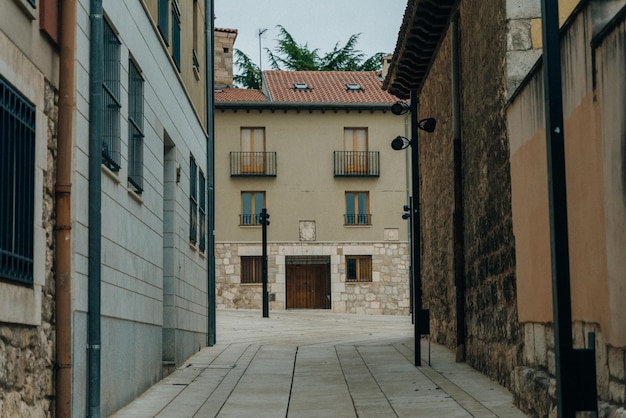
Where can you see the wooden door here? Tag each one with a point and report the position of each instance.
(308, 285)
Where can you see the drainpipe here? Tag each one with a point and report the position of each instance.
(210, 82)
(459, 242)
(95, 206)
(63, 225)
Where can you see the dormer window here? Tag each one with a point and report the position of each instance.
(353, 87)
(301, 86)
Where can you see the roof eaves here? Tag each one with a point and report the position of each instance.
(424, 26)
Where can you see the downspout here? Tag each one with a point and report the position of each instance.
(95, 206)
(458, 239)
(210, 82)
(63, 224)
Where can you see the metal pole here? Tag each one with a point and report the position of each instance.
(559, 245)
(415, 224)
(209, 46)
(95, 207)
(264, 223)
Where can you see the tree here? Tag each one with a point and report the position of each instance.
(289, 55)
(250, 76)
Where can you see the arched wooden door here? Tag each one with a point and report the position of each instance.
(308, 282)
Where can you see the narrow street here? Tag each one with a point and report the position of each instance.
(313, 363)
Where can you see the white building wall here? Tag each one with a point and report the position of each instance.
(143, 313)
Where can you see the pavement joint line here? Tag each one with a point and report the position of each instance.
(236, 373)
(293, 374)
(468, 402)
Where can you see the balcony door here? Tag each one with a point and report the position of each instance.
(355, 147)
(253, 150)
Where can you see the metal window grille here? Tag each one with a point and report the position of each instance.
(251, 269)
(17, 185)
(135, 128)
(202, 213)
(164, 22)
(176, 33)
(196, 61)
(111, 100)
(359, 268)
(193, 201)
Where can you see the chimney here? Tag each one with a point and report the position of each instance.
(386, 61)
(223, 55)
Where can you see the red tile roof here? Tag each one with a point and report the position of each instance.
(238, 95)
(326, 87)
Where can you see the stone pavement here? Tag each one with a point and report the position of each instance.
(315, 363)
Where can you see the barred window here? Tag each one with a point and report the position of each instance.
(111, 100)
(251, 269)
(358, 268)
(135, 127)
(193, 201)
(176, 33)
(202, 212)
(17, 185)
(164, 21)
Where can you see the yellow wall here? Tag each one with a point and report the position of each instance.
(305, 187)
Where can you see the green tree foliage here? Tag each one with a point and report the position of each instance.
(291, 56)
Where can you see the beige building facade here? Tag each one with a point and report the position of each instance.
(333, 187)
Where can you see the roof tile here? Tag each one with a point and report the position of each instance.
(238, 95)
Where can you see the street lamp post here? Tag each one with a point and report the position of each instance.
(264, 219)
(421, 316)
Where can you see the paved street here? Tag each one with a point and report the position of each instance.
(320, 364)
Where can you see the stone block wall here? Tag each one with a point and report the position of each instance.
(534, 385)
(493, 338)
(223, 48)
(27, 352)
(388, 293)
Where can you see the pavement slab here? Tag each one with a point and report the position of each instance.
(316, 363)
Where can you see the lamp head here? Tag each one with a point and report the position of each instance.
(399, 108)
(399, 143)
(427, 124)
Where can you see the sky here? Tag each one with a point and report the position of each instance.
(318, 23)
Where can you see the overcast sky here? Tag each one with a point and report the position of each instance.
(318, 23)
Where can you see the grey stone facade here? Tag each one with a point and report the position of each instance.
(26, 363)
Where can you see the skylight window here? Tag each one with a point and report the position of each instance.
(353, 87)
(301, 86)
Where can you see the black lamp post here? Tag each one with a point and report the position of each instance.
(264, 218)
(421, 316)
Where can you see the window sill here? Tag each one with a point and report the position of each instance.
(357, 225)
(27, 8)
(251, 284)
(113, 175)
(136, 196)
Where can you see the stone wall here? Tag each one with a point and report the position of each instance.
(388, 293)
(223, 48)
(494, 341)
(27, 352)
(534, 385)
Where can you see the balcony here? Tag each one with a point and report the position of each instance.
(357, 163)
(351, 219)
(253, 164)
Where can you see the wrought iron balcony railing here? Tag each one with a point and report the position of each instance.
(259, 164)
(249, 219)
(357, 219)
(357, 163)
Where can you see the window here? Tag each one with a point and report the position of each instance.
(355, 148)
(32, 2)
(135, 128)
(252, 150)
(111, 100)
(251, 205)
(17, 185)
(193, 201)
(202, 212)
(196, 37)
(251, 269)
(358, 268)
(164, 22)
(357, 208)
(176, 33)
